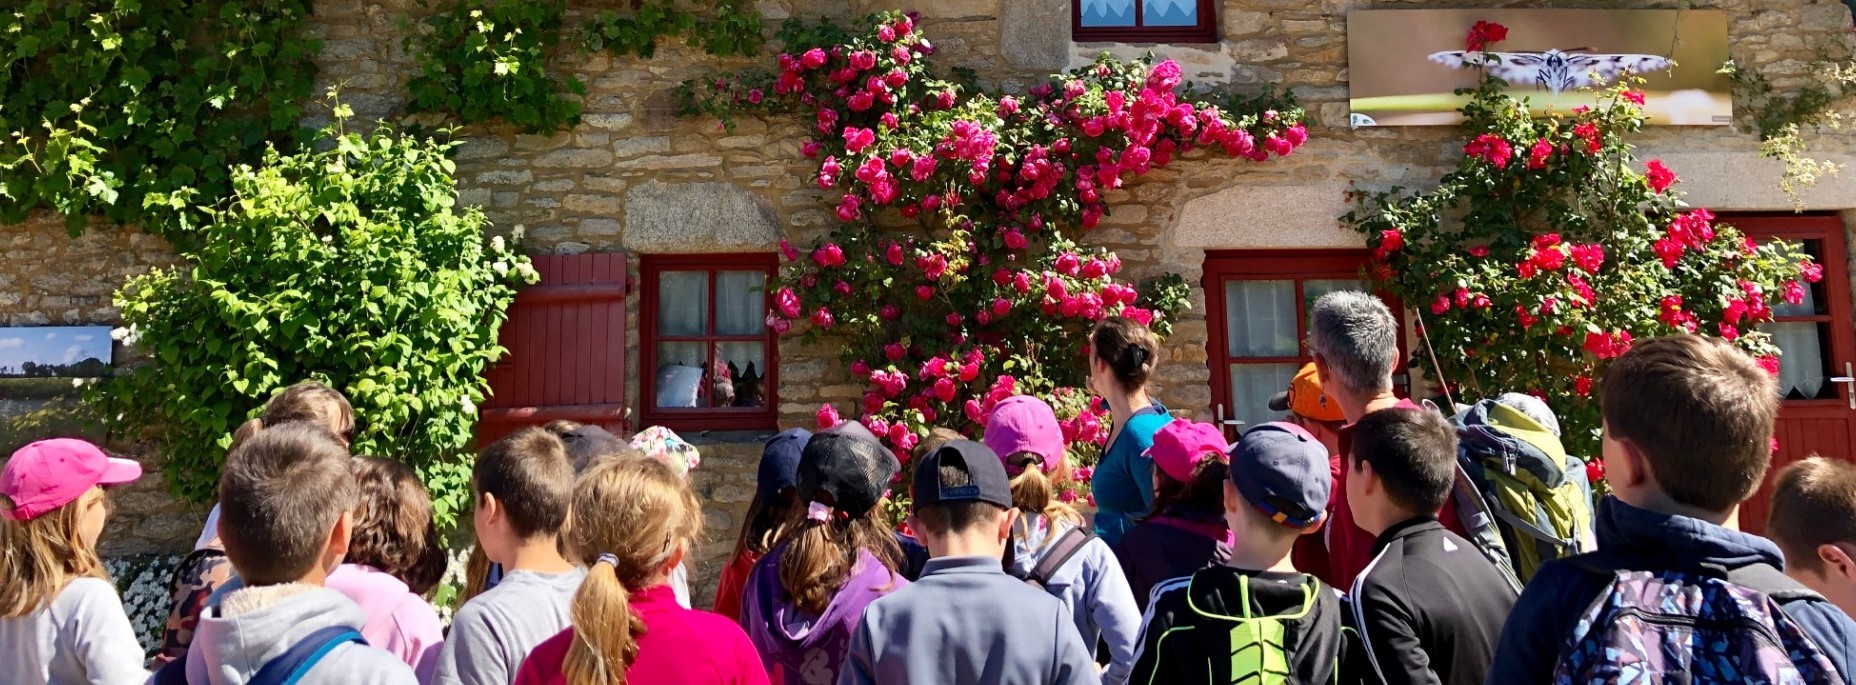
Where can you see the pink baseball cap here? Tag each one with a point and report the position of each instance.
(1022, 423)
(48, 474)
(1179, 446)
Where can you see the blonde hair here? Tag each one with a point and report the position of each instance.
(636, 514)
(308, 401)
(39, 556)
(1035, 492)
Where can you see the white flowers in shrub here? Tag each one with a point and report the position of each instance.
(144, 581)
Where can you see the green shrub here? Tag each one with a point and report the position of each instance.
(488, 59)
(351, 264)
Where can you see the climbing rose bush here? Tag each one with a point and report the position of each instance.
(956, 274)
(1551, 248)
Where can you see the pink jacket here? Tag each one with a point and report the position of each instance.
(398, 621)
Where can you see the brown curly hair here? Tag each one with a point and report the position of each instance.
(393, 526)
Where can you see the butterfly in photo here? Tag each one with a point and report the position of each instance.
(1554, 70)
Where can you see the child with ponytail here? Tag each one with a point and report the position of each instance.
(805, 598)
(776, 498)
(634, 520)
(1050, 547)
(1186, 530)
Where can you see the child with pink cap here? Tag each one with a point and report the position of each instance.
(61, 620)
(1185, 531)
(1051, 548)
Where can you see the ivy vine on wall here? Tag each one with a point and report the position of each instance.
(1782, 118)
(125, 110)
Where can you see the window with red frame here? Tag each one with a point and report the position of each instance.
(708, 358)
(1144, 21)
(1256, 305)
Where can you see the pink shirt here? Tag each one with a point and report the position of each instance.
(680, 647)
(398, 621)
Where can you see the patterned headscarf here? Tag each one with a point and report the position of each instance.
(660, 443)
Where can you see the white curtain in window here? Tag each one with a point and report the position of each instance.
(1252, 385)
(1259, 318)
(683, 303)
(740, 302)
(1801, 367)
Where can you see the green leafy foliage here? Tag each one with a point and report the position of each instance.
(350, 264)
(1551, 248)
(486, 60)
(727, 28)
(124, 109)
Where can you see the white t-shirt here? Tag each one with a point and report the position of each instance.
(82, 636)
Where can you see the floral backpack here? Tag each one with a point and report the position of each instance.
(1707, 626)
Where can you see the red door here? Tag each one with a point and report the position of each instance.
(1815, 372)
(566, 342)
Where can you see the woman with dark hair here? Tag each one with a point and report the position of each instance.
(1186, 530)
(1122, 356)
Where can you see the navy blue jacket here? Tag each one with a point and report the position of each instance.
(1559, 593)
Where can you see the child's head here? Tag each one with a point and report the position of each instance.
(1814, 521)
(52, 508)
(963, 501)
(522, 486)
(1190, 468)
(842, 478)
(1688, 425)
(1311, 408)
(393, 527)
(1278, 489)
(308, 402)
(1403, 464)
(1023, 431)
(634, 520)
(286, 501)
(664, 445)
(776, 494)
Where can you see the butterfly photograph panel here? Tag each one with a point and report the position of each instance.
(1404, 65)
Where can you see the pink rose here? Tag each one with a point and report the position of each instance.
(813, 58)
(856, 139)
(1067, 264)
(809, 148)
(827, 417)
(944, 390)
(848, 208)
(863, 60)
(828, 255)
(924, 293)
(823, 318)
(788, 303)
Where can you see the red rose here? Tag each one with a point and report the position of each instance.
(1484, 34)
(1538, 155)
(1595, 471)
(1659, 176)
(1582, 385)
(1770, 364)
(1634, 96)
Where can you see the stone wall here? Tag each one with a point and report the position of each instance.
(633, 177)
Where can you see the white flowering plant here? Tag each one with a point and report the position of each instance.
(351, 263)
(145, 582)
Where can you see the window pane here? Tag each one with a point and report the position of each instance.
(743, 367)
(1313, 289)
(679, 379)
(683, 303)
(1170, 13)
(1251, 388)
(1814, 299)
(740, 302)
(1260, 318)
(1107, 13)
(1804, 364)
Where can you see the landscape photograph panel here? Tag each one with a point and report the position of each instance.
(55, 352)
(1404, 65)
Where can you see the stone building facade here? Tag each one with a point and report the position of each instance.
(635, 178)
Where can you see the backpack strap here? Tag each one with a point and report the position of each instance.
(1066, 546)
(1769, 579)
(292, 665)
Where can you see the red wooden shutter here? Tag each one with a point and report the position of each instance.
(566, 340)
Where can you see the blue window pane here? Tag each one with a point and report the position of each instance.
(1100, 13)
(1170, 13)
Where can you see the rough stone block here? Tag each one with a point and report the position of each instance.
(630, 147)
(1251, 217)
(574, 158)
(698, 217)
(1035, 34)
(693, 161)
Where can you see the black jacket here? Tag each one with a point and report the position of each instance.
(1430, 607)
(1169, 546)
(1186, 633)
(1560, 592)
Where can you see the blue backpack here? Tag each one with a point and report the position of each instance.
(286, 669)
(1705, 626)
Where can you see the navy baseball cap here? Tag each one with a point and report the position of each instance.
(986, 482)
(588, 444)
(779, 463)
(1282, 470)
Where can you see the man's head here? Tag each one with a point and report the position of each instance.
(1402, 465)
(1813, 520)
(1688, 425)
(286, 498)
(1278, 489)
(963, 501)
(523, 486)
(1355, 341)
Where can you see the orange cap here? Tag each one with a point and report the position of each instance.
(1304, 397)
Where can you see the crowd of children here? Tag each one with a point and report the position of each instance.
(1344, 544)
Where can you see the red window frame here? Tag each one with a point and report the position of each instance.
(1278, 265)
(650, 268)
(1206, 31)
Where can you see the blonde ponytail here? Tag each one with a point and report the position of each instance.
(632, 518)
(1035, 492)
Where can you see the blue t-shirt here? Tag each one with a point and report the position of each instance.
(1124, 479)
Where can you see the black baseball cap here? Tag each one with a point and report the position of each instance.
(851, 467)
(987, 481)
(779, 462)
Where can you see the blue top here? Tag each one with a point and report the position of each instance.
(1560, 591)
(1124, 479)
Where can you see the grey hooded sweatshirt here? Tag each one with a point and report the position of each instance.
(254, 625)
